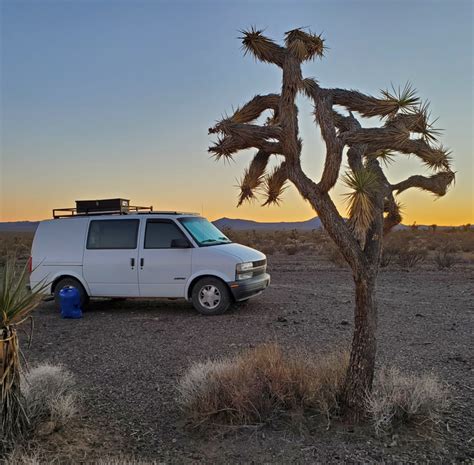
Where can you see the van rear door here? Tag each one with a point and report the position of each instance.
(111, 257)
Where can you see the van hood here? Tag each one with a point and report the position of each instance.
(240, 252)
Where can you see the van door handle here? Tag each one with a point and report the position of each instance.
(142, 262)
(132, 262)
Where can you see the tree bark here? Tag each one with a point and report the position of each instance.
(360, 373)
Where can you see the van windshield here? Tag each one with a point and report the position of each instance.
(204, 232)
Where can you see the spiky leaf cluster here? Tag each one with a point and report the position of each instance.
(364, 184)
(304, 45)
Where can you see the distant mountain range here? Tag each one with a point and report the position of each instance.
(222, 223)
(19, 226)
(239, 225)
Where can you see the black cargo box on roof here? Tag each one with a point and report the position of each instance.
(104, 205)
(100, 207)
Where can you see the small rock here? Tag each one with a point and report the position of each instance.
(344, 323)
(282, 319)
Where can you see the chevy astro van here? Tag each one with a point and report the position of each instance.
(115, 250)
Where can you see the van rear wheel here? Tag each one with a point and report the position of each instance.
(210, 296)
(66, 282)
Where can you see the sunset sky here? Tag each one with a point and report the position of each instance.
(114, 98)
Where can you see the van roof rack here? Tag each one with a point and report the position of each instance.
(72, 212)
(109, 207)
(99, 207)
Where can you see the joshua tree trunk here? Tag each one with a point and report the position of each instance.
(364, 344)
(359, 238)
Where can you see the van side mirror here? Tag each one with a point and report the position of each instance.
(181, 243)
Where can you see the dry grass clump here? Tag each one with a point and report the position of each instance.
(34, 457)
(123, 460)
(399, 398)
(445, 259)
(411, 257)
(51, 399)
(261, 385)
(23, 457)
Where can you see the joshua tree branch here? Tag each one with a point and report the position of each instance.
(393, 214)
(275, 184)
(263, 48)
(332, 165)
(437, 184)
(397, 139)
(255, 107)
(366, 105)
(330, 217)
(253, 131)
(253, 176)
(228, 145)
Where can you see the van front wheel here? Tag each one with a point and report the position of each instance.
(65, 282)
(210, 296)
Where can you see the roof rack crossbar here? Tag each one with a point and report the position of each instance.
(164, 212)
(72, 212)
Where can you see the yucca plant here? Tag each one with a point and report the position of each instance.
(16, 304)
(373, 209)
(364, 185)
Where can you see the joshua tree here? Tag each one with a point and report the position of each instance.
(373, 210)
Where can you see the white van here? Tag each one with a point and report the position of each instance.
(152, 254)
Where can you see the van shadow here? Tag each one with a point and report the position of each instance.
(174, 308)
(155, 306)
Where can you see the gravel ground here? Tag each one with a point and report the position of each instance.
(128, 355)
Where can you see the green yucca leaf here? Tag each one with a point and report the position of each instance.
(16, 301)
(387, 156)
(405, 98)
(364, 184)
(424, 125)
(438, 159)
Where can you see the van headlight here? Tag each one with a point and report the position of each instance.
(242, 270)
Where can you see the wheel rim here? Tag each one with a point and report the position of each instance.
(209, 296)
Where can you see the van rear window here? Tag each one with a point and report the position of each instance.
(112, 234)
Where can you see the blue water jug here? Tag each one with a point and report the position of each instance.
(70, 302)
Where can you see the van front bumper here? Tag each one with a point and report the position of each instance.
(242, 290)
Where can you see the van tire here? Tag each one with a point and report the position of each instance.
(208, 292)
(62, 283)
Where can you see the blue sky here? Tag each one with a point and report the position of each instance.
(114, 98)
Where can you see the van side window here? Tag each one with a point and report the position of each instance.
(113, 234)
(160, 233)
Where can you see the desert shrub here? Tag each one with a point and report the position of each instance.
(261, 384)
(410, 257)
(335, 256)
(268, 249)
(388, 255)
(15, 244)
(399, 398)
(445, 259)
(291, 248)
(50, 396)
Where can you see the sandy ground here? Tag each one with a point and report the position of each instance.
(127, 357)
